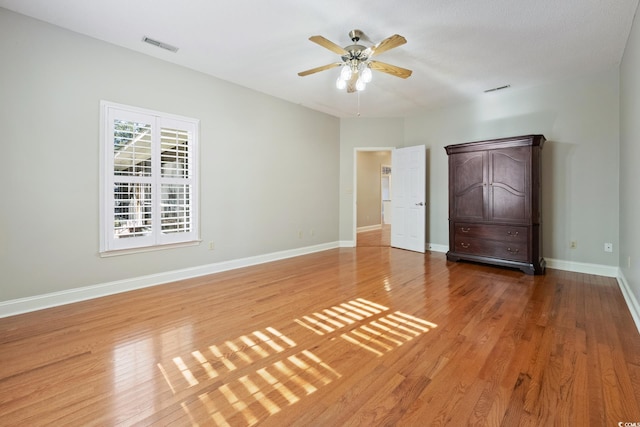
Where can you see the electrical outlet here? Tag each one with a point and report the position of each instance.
(628, 262)
(300, 234)
(211, 246)
(608, 247)
(573, 244)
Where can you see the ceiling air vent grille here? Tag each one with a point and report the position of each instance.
(497, 88)
(160, 44)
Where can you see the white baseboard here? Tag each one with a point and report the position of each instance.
(433, 247)
(581, 267)
(630, 299)
(369, 228)
(39, 302)
(577, 267)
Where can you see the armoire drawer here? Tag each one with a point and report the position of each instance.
(504, 233)
(516, 251)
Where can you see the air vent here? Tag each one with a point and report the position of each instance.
(497, 88)
(160, 44)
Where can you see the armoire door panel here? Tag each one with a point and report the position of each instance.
(508, 206)
(469, 171)
(469, 191)
(469, 204)
(511, 168)
(509, 183)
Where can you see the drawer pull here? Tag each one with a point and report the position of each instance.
(465, 245)
(465, 229)
(513, 233)
(513, 251)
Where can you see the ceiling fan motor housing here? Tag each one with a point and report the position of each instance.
(356, 52)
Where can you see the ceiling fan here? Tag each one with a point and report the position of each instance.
(356, 61)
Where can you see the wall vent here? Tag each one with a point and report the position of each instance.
(497, 88)
(160, 44)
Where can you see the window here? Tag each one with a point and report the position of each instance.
(149, 182)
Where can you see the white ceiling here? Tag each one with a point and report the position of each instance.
(456, 48)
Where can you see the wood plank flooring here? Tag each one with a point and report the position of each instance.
(380, 237)
(362, 336)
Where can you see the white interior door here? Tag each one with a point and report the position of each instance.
(408, 166)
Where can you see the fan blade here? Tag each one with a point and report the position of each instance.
(390, 69)
(388, 43)
(318, 69)
(328, 44)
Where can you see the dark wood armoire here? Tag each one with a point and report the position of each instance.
(494, 202)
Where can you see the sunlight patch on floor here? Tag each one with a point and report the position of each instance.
(265, 386)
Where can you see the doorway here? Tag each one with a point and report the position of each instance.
(372, 197)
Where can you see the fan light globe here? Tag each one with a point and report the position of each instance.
(345, 73)
(360, 85)
(366, 75)
(341, 84)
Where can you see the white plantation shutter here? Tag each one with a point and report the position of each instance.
(149, 183)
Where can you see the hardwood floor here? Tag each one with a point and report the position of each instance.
(365, 336)
(380, 237)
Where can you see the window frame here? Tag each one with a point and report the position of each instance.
(156, 239)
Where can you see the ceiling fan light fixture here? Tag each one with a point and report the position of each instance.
(357, 63)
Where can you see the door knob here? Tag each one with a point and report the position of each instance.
(420, 204)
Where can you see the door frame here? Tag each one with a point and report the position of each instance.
(354, 220)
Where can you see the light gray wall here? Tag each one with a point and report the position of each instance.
(361, 133)
(269, 168)
(629, 161)
(580, 160)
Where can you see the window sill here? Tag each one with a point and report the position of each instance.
(108, 254)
